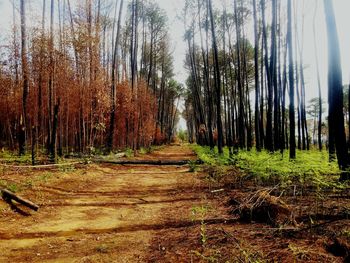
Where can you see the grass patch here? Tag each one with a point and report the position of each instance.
(45, 176)
(11, 157)
(310, 167)
(150, 149)
(66, 168)
(144, 150)
(129, 153)
(13, 187)
(211, 157)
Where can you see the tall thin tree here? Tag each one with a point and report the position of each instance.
(114, 70)
(292, 152)
(319, 137)
(256, 75)
(335, 85)
(217, 81)
(25, 82)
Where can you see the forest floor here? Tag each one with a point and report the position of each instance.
(158, 213)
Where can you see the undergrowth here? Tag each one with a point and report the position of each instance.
(11, 157)
(13, 187)
(310, 167)
(150, 149)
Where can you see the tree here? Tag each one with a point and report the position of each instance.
(314, 111)
(25, 91)
(335, 89)
(269, 132)
(292, 153)
(216, 80)
(318, 83)
(240, 79)
(257, 87)
(206, 76)
(115, 65)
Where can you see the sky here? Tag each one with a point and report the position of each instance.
(174, 8)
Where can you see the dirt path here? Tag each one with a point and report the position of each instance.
(101, 213)
(158, 213)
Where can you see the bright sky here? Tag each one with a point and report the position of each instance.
(176, 30)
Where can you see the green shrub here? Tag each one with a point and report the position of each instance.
(310, 167)
(12, 157)
(182, 135)
(211, 157)
(129, 152)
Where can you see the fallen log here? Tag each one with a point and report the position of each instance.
(40, 165)
(8, 195)
(149, 162)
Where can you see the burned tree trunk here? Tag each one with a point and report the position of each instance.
(335, 85)
(292, 153)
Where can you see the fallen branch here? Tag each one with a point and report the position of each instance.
(263, 207)
(40, 166)
(149, 162)
(8, 195)
(217, 190)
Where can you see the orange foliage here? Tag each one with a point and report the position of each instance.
(215, 136)
(135, 121)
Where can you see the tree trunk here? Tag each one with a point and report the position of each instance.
(52, 147)
(256, 75)
(319, 137)
(292, 153)
(115, 67)
(269, 132)
(336, 86)
(217, 82)
(22, 130)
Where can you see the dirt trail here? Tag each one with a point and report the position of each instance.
(158, 213)
(102, 213)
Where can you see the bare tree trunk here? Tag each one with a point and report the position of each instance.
(206, 79)
(273, 68)
(115, 66)
(292, 153)
(240, 81)
(52, 146)
(256, 74)
(217, 81)
(23, 121)
(318, 84)
(336, 115)
(40, 80)
(269, 132)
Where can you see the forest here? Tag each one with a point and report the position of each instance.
(174, 131)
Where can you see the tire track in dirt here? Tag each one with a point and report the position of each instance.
(106, 213)
(125, 229)
(116, 204)
(123, 193)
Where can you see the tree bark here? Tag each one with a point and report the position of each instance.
(256, 75)
(336, 86)
(319, 137)
(115, 66)
(292, 153)
(269, 132)
(22, 137)
(8, 195)
(217, 81)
